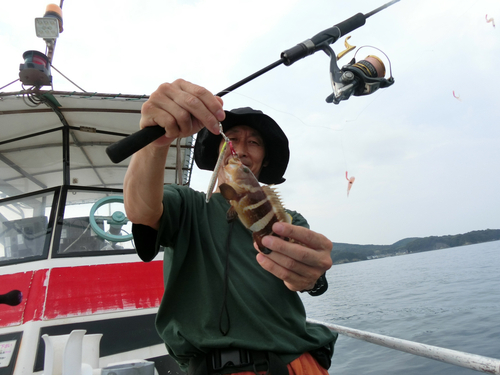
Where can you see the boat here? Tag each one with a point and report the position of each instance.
(67, 258)
(65, 245)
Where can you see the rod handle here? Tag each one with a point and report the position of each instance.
(129, 145)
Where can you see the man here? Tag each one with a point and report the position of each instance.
(227, 308)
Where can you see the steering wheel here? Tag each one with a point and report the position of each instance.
(116, 220)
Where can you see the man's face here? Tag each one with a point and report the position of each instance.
(249, 146)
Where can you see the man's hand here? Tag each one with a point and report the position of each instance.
(182, 109)
(301, 264)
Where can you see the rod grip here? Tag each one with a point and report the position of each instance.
(325, 37)
(126, 147)
(351, 24)
(332, 34)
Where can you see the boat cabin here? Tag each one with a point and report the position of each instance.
(67, 258)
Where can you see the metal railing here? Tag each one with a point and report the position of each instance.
(454, 357)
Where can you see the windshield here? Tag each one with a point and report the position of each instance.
(24, 231)
(92, 222)
(107, 234)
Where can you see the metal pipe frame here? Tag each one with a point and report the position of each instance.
(454, 357)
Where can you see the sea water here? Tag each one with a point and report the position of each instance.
(448, 298)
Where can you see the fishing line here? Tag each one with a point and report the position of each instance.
(343, 152)
(341, 131)
(354, 81)
(437, 31)
(359, 112)
(285, 112)
(376, 96)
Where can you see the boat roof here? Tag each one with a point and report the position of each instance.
(52, 138)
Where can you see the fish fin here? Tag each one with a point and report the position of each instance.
(231, 214)
(277, 204)
(258, 240)
(228, 192)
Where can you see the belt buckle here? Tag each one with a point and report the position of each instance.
(222, 358)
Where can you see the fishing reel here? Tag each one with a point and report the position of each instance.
(356, 78)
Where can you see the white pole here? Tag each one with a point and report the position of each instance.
(454, 357)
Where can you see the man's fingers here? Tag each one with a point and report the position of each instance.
(299, 264)
(183, 109)
(301, 260)
(295, 251)
(202, 104)
(294, 281)
(303, 235)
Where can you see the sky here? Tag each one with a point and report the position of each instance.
(425, 152)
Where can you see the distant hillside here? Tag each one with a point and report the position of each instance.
(345, 253)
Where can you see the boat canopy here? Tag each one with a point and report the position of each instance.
(53, 138)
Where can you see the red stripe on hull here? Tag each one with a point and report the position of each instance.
(31, 286)
(36, 296)
(82, 290)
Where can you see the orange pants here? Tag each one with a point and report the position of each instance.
(304, 365)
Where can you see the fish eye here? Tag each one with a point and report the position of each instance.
(246, 170)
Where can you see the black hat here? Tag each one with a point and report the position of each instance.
(206, 149)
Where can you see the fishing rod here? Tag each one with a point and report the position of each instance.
(361, 78)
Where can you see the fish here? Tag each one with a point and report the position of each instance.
(258, 207)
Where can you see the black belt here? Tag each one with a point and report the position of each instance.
(232, 360)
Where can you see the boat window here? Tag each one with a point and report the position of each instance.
(24, 231)
(110, 232)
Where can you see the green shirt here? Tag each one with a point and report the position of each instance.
(263, 313)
